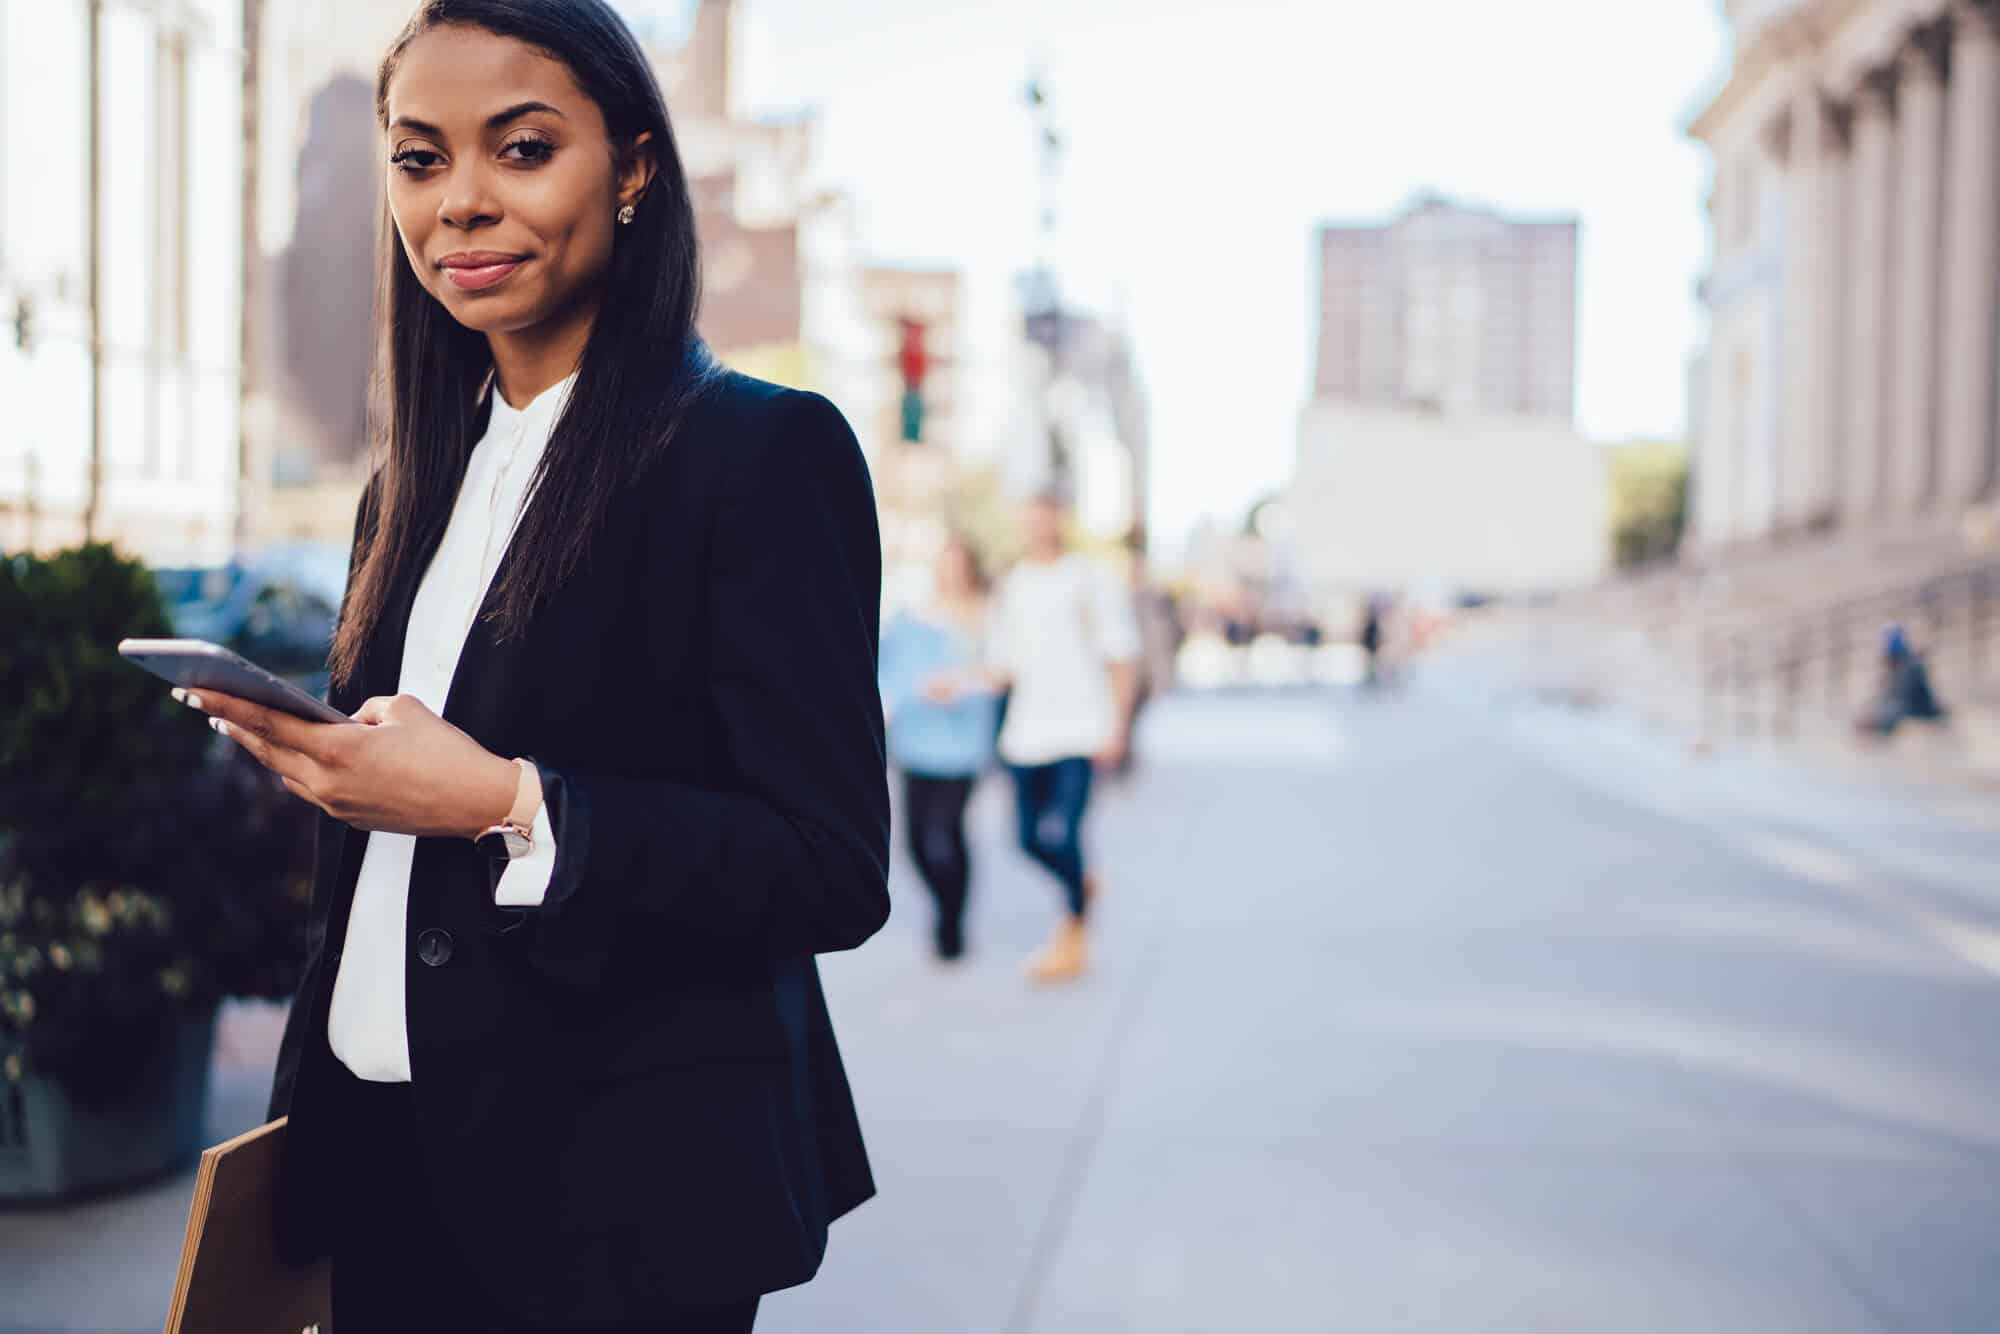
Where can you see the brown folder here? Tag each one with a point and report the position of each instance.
(231, 1279)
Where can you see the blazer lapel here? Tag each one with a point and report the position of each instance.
(477, 700)
(381, 670)
(385, 658)
(381, 673)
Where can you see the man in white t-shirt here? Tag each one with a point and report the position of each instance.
(1066, 640)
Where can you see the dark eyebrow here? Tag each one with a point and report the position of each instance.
(493, 122)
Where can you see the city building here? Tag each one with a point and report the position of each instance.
(782, 284)
(1451, 307)
(1854, 295)
(319, 217)
(1437, 455)
(1436, 504)
(122, 241)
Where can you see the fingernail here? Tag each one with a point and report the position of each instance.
(192, 700)
(219, 725)
(179, 694)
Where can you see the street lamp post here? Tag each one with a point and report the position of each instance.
(1043, 293)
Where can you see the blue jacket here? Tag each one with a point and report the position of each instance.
(936, 740)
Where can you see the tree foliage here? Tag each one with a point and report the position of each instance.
(1649, 500)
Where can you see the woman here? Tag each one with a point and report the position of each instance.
(561, 1058)
(942, 720)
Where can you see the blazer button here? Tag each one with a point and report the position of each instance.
(434, 946)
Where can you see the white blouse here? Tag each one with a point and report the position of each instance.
(366, 1025)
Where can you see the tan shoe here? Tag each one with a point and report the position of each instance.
(1064, 958)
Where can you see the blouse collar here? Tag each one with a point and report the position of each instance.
(541, 411)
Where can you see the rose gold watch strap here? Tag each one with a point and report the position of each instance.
(527, 797)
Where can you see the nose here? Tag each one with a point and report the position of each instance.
(468, 200)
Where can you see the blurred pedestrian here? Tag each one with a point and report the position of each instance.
(561, 1060)
(942, 715)
(1066, 642)
(1374, 632)
(1904, 693)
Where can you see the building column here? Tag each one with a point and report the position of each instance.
(1801, 354)
(1971, 340)
(1830, 244)
(1712, 503)
(1864, 435)
(1918, 276)
(1716, 467)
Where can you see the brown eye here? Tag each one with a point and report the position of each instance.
(414, 161)
(531, 151)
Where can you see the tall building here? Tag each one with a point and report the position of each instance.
(1854, 293)
(1450, 307)
(1391, 499)
(122, 218)
(1437, 454)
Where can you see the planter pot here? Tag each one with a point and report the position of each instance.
(54, 1145)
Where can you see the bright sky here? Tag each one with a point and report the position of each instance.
(1209, 137)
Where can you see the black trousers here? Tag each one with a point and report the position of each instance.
(934, 810)
(396, 1270)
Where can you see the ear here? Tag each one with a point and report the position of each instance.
(636, 166)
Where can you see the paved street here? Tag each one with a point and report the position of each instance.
(1409, 1018)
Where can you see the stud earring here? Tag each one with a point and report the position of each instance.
(627, 213)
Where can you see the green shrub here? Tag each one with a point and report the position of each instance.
(147, 867)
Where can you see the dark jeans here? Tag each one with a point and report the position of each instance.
(1050, 800)
(396, 1270)
(934, 820)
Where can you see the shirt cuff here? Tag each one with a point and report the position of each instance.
(526, 880)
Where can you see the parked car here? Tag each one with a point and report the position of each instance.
(275, 612)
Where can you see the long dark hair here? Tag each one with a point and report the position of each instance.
(641, 367)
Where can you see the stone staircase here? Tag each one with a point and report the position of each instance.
(1780, 645)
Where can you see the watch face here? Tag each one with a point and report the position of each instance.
(504, 845)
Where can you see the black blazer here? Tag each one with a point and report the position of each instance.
(629, 1099)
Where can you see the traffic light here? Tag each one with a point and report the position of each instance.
(914, 363)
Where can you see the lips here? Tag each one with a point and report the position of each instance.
(476, 270)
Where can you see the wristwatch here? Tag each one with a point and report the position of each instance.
(514, 837)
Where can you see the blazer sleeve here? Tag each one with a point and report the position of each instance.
(793, 850)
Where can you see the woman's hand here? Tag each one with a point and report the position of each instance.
(956, 683)
(945, 687)
(404, 770)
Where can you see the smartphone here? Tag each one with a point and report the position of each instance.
(196, 664)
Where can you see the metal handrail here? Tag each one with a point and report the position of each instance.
(1755, 672)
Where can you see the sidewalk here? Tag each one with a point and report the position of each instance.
(1398, 1028)
(108, 1264)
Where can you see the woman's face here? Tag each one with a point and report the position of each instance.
(503, 182)
(953, 571)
